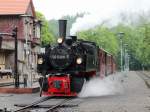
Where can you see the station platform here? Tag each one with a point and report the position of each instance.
(13, 90)
(7, 86)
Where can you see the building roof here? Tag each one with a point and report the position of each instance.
(15, 7)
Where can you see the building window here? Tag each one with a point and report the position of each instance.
(37, 31)
(36, 28)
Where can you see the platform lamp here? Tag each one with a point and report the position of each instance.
(13, 35)
(125, 56)
(120, 36)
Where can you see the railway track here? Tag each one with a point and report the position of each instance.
(63, 104)
(145, 77)
(33, 104)
(57, 105)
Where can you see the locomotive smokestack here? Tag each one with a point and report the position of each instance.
(62, 28)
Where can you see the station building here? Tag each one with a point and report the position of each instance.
(21, 14)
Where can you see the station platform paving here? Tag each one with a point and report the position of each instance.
(7, 86)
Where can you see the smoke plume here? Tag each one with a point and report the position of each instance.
(89, 21)
(110, 85)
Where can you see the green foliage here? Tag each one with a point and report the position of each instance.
(47, 36)
(103, 37)
(138, 40)
(53, 26)
(136, 37)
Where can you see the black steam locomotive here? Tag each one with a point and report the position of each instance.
(66, 65)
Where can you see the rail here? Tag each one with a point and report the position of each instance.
(63, 104)
(57, 105)
(145, 77)
(34, 103)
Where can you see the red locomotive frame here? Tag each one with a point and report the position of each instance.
(62, 90)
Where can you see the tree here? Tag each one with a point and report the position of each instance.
(47, 36)
(103, 36)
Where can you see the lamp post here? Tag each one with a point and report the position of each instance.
(128, 59)
(120, 35)
(125, 56)
(14, 35)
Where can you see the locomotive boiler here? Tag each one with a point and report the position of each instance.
(66, 65)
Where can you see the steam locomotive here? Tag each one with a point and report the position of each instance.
(68, 64)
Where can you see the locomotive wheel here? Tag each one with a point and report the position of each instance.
(77, 84)
(43, 85)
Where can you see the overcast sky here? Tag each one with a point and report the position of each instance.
(57, 8)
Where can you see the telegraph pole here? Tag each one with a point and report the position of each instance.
(120, 35)
(125, 56)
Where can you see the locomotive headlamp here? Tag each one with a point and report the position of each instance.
(60, 40)
(40, 61)
(79, 60)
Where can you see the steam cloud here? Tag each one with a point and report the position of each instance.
(89, 21)
(125, 11)
(84, 23)
(110, 85)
